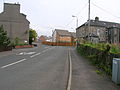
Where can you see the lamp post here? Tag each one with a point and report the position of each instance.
(76, 20)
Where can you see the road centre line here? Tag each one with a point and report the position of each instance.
(13, 63)
(41, 52)
(70, 71)
(35, 55)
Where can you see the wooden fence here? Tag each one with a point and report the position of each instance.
(59, 43)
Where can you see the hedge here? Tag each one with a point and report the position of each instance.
(100, 58)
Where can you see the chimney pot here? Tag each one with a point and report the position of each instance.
(96, 18)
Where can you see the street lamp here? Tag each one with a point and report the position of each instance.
(76, 20)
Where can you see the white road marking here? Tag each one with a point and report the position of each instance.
(41, 52)
(70, 72)
(20, 53)
(26, 53)
(13, 63)
(29, 53)
(35, 55)
(26, 59)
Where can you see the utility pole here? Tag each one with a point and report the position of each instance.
(88, 18)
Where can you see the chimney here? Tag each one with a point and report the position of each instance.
(96, 18)
(11, 8)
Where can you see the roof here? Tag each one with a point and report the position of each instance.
(113, 27)
(101, 24)
(12, 3)
(63, 32)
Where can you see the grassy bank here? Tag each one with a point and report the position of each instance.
(100, 55)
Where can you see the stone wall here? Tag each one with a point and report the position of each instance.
(101, 58)
(83, 31)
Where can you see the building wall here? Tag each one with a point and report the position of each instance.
(42, 38)
(83, 31)
(99, 31)
(65, 39)
(57, 37)
(14, 22)
(114, 35)
(54, 36)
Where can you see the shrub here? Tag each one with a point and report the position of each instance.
(4, 40)
(101, 57)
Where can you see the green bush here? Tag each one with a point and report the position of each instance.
(21, 44)
(17, 40)
(4, 40)
(115, 49)
(98, 57)
(102, 46)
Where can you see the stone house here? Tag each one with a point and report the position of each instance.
(15, 23)
(97, 28)
(61, 36)
(73, 35)
(113, 34)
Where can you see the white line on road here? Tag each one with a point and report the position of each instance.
(13, 63)
(35, 55)
(26, 53)
(26, 59)
(41, 52)
(70, 72)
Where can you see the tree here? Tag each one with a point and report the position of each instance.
(4, 40)
(32, 36)
(16, 41)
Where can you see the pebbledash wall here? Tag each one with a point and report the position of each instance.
(15, 23)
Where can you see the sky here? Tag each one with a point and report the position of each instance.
(47, 15)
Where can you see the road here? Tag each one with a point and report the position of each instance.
(43, 68)
(50, 68)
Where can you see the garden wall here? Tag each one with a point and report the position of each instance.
(101, 58)
(7, 48)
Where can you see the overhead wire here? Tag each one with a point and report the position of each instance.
(77, 14)
(105, 10)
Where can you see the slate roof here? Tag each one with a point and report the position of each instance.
(101, 24)
(63, 32)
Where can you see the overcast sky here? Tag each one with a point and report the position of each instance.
(47, 15)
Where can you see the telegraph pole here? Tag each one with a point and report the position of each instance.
(88, 18)
(89, 10)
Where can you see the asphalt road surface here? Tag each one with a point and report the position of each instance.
(49, 68)
(43, 68)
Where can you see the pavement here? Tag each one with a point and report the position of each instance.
(84, 76)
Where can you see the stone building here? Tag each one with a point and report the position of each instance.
(113, 35)
(15, 23)
(73, 35)
(61, 36)
(97, 31)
